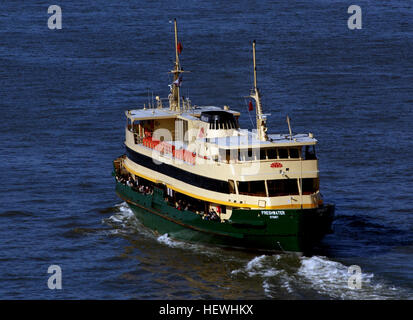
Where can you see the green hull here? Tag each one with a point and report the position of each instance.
(294, 230)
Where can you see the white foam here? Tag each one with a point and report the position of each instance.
(173, 243)
(256, 267)
(327, 277)
(265, 267)
(330, 278)
(125, 210)
(165, 239)
(124, 221)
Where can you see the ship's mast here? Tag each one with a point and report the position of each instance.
(255, 94)
(174, 103)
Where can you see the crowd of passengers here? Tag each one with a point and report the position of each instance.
(134, 185)
(184, 205)
(180, 204)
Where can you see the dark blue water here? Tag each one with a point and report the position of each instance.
(62, 99)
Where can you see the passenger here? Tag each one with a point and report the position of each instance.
(180, 205)
(213, 215)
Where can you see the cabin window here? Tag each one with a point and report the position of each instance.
(241, 155)
(272, 153)
(263, 154)
(135, 126)
(258, 188)
(222, 155)
(282, 187)
(234, 154)
(294, 153)
(243, 187)
(310, 185)
(245, 155)
(255, 154)
(283, 153)
(252, 188)
(309, 153)
(231, 186)
(250, 154)
(228, 155)
(223, 187)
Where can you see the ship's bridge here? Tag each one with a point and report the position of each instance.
(219, 119)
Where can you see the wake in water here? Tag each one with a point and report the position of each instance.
(283, 276)
(286, 276)
(124, 222)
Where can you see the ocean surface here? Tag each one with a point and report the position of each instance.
(63, 94)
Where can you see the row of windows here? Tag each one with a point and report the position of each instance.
(306, 153)
(177, 173)
(276, 188)
(253, 188)
(230, 124)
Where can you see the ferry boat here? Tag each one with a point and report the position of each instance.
(191, 172)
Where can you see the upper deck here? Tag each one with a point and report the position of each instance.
(193, 113)
(247, 139)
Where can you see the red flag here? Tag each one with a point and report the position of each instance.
(250, 107)
(179, 47)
